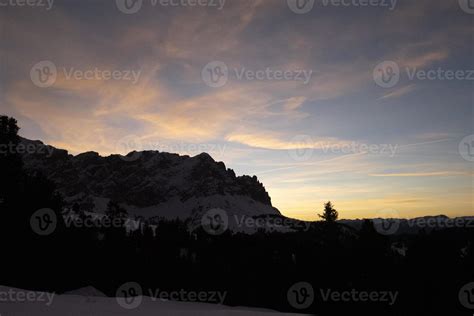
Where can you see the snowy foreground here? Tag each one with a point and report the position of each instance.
(89, 301)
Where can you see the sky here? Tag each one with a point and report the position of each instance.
(369, 106)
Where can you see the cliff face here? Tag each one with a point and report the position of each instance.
(146, 179)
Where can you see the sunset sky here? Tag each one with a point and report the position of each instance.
(338, 136)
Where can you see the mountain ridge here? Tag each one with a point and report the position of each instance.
(148, 179)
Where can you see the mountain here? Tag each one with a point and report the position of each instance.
(148, 183)
(413, 226)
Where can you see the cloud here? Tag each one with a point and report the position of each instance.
(400, 92)
(424, 59)
(274, 141)
(294, 103)
(422, 174)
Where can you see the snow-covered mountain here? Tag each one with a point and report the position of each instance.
(149, 183)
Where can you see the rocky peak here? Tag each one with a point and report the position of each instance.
(145, 179)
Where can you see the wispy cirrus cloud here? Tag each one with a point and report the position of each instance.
(423, 174)
(399, 92)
